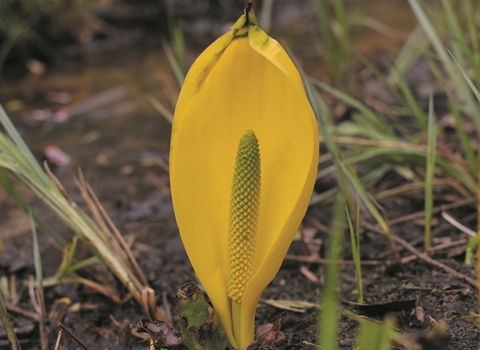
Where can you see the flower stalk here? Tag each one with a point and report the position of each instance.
(243, 223)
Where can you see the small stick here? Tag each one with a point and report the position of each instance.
(389, 227)
(32, 315)
(42, 319)
(316, 260)
(282, 307)
(448, 245)
(438, 209)
(73, 336)
(311, 344)
(59, 185)
(423, 256)
(118, 236)
(31, 292)
(458, 225)
(318, 225)
(59, 338)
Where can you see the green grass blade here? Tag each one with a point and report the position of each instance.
(266, 16)
(462, 135)
(345, 170)
(334, 28)
(411, 51)
(459, 124)
(467, 79)
(17, 197)
(432, 132)
(366, 112)
(462, 90)
(459, 39)
(31, 162)
(23, 166)
(180, 50)
(374, 24)
(36, 252)
(12, 337)
(325, 124)
(174, 64)
(470, 251)
(81, 264)
(364, 196)
(410, 100)
(376, 336)
(320, 197)
(469, 10)
(37, 261)
(164, 111)
(328, 323)
(355, 243)
(323, 19)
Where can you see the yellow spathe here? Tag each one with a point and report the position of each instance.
(243, 81)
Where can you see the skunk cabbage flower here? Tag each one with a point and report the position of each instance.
(243, 162)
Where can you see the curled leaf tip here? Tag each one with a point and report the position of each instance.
(243, 216)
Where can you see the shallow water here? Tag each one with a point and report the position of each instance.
(137, 71)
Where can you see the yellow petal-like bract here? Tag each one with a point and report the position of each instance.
(243, 81)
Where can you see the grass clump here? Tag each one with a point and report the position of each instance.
(102, 237)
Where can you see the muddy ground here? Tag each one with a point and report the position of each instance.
(122, 147)
(139, 203)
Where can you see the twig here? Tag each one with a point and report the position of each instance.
(42, 320)
(126, 249)
(99, 100)
(146, 293)
(15, 309)
(437, 209)
(118, 236)
(73, 336)
(311, 344)
(448, 245)
(458, 225)
(423, 256)
(59, 185)
(137, 278)
(318, 225)
(317, 260)
(281, 306)
(13, 289)
(108, 291)
(309, 274)
(93, 208)
(389, 227)
(59, 338)
(31, 292)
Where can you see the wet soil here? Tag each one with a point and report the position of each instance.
(144, 213)
(122, 147)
